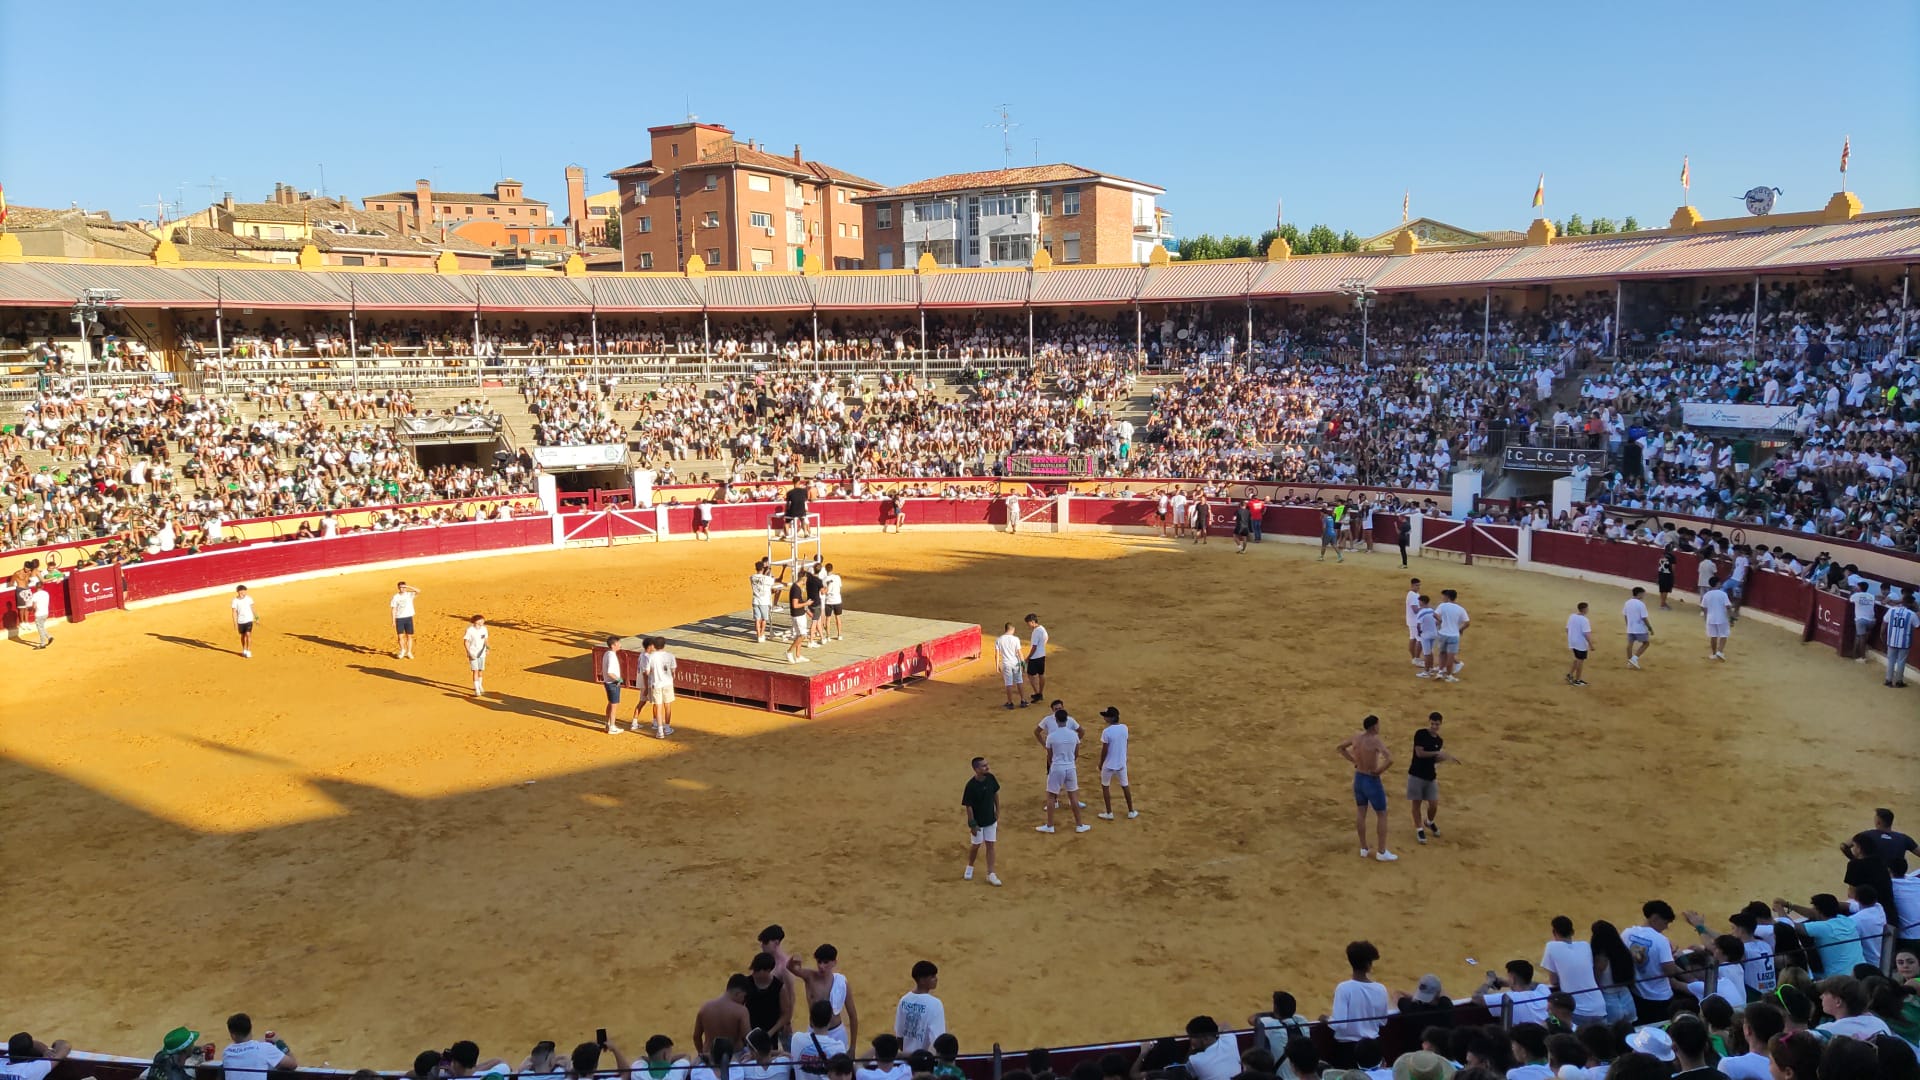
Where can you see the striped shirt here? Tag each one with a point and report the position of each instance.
(1900, 622)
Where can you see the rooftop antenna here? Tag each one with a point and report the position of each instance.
(160, 207)
(1036, 151)
(1006, 126)
(692, 117)
(323, 179)
(212, 187)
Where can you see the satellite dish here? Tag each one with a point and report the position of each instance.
(1760, 200)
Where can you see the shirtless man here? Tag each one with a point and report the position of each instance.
(1370, 758)
(825, 983)
(725, 1017)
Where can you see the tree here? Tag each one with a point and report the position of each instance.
(1632, 224)
(1203, 246)
(1265, 241)
(610, 235)
(1602, 225)
(1236, 247)
(1291, 233)
(1574, 226)
(1320, 241)
(1349, 242)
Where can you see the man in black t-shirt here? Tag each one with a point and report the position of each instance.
(981, 801)
(1423, 786)
(796, 509)
(1890, 846)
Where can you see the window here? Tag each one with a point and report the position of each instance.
(843, 230)
(1046, 204)
(1005, 204)
(469, 210)
(646, 260)
(762, 258)
(713, 181)
(1010, 248)
(853, 231)
(756, 182)
(931, 211)
(710, 220)
(278, 232)
(886, 256)
(492, 212)
(1070, 201)
(839, 194)
(513, 211)
(760, 220)
(352, 260)
(643, 189)
(1071, 244)
(645, 225)
(883, 217)
(383, 260)
(713, 257)
(676, 149)
(973, 250)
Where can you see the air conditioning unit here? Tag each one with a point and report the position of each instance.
(769, 230)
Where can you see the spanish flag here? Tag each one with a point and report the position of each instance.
(3, 204)
(1846, 151)
(1540, 191)
(1686, 174)
(1406, 203)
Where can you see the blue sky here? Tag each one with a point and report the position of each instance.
(1338, 108)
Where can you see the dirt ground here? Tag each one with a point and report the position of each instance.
(348, 847)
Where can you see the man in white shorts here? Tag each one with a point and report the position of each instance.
(981, 801)
(1413, 606)
(1013, 512)
(1179, 514)
(1006, 652)
(1063, 772)
(42, 607)
(476, 642)
(830, 597)
(1453, 622)
(1717, 607)
(1639, 626)
(760, 586)
(1113, 763)
(661, 667)
(402, 607)
(1426, 627)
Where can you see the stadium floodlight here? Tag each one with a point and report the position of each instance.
(1363, 295)
(86, 313)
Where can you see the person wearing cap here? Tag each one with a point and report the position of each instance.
(1427, 1004)
(179, 1051)
(1422, 1065)
(30, 1059)
(1113, 763)
(1210, 1054)
(1652, 1041)
(1844, 998)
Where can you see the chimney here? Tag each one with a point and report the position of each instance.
(227, 200)
(577, 202)
(423, 204)
(796, 154)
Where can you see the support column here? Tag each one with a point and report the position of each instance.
(1754, 334)
(1619, 315)
(1062, 512)
(1486, 326)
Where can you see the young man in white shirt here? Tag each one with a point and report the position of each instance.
(1865, 616)
(1653, 965)
(1529, 1002)
(611, 677)
(1210, 1054)
(401, 605)
(1360, 1005)
(661, 667)
(1579, 640)
(42, 607)
(1427, 626)
(1113, 763)
(1716, 607)
(830, 584)
(920, 1017)
(476, 642)
(1062, 743)
(1413, 606)
(30, 1059)
(760, 587)
(243, 619)
(1568, 965)
(1453, 622)
(1006, 652)
(1036, 658)
(247, 1058)
(1639, 626)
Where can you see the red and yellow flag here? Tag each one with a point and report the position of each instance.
(1540, 191)
(1686, 174)
(1406, 203)
(1846, 151)
(3, 204)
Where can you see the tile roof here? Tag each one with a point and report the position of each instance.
(1004, 178)
(456, 196)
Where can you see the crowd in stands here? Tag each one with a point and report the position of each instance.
(1778, 990)
(169, 470)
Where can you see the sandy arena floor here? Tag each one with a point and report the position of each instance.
(371, 863)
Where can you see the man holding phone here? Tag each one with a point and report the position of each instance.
(247, 1058)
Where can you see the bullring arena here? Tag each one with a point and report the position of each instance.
(355, 842)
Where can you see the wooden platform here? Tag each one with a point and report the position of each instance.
(719, 660)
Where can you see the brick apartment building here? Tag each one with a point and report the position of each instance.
(737, 206)
(1001, 216)
(504, 218)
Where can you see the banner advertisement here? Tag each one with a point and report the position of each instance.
(1776, 419)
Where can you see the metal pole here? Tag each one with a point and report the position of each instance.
(593, 298)
(476, 331)
(1364, 306)
(706, 343)
(1249, 333)
(1139, 334)
(817, 358)
(1755, 339)
(1486, 326)
(1906, 288)
(1030, 357)
(353, 333)
(1619, 314)
(220, 336)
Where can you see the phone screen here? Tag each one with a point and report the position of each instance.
(600, 1037)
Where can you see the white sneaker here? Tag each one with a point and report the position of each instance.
(1364, 853)
(1457, 665)
(1104, 817)
(1448, 678)
(1387, 856)
(761, 638)
(993, 879)
(1133, 813)
(968, 876)
(1043, 828)
(1633, 662)
(615, 730)
(248, 653)
(1418, 663)
(1081, 805)
(1083, 827)
(1423, 673)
